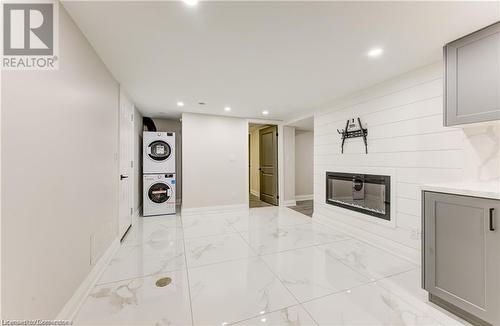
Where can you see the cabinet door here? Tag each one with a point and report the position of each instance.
(472, 87)
(462, 254)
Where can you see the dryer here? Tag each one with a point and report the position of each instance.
(158, 152)
(158, 194)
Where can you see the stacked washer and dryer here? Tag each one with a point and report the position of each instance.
(158, 170)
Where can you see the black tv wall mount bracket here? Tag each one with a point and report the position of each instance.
(351, 131)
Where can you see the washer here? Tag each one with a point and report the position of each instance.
(158, 152)
(159, 194)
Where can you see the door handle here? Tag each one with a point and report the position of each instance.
(123, 176)
(492, 227)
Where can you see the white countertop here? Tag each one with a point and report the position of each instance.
(474, 189)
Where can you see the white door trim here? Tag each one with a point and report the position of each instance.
(125, 163)
(281, 182)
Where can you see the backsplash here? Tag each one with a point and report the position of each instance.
(482, 153)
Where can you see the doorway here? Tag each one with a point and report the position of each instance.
(263, 165)
(304, 165)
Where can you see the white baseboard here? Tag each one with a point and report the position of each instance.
(213, 209)
(71, 307)
(397, 249)
(288, 203)
(255, 192)
(304, 197)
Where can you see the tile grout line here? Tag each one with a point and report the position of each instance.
(422, 306)
(187, 271)
(370, 281)
(310, 222)
(259, 257)
(238, 259)
(268, 313)
(244, 240)
(375, 281)
(301, 303)
(377, 247)
(277, 277)
(149, 275)
(289, 291)
(420, 303)
(370, 278)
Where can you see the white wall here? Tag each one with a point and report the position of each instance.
(59, 176)
(304, 164)
(254, 162)
(289, 165)
(404, 117)
(215, 161)
(170, 125)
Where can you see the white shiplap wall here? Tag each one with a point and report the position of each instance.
(404, 117)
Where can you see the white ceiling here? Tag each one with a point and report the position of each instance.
(285, 57)
(305, 124)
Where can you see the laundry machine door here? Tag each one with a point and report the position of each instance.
(159, 192)
(159, 150)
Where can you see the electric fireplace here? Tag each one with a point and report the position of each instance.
(365, 193)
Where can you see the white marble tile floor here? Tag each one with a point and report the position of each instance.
(266, 266)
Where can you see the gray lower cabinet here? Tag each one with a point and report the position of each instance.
(472, 77)
(461, 255)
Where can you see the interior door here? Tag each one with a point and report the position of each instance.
(126, 164)
(268, 157)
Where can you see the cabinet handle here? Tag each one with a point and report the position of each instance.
(492, 228)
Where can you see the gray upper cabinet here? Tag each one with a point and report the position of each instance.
(472, 86)
(461, 253)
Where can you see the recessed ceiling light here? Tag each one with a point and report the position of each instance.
(191, 3)
(265, 112)
(227, 109)
(375, 52)
(180, 103)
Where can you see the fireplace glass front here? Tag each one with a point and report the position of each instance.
(366, 193)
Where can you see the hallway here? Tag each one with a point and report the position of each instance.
(305, 207)
(255, 202)
(263, 266)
